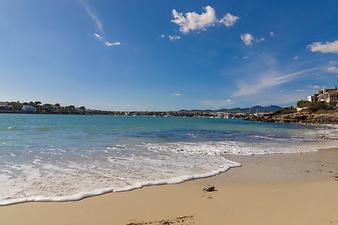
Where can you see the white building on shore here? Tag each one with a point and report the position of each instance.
(29, 109)
(325, 95)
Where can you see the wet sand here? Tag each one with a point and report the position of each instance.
(285, 189)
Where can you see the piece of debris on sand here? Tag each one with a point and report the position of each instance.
(210, 189)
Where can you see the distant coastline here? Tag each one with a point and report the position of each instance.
(272, 113)
(38, 108)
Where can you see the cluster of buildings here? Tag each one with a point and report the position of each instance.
(38, 107)
(7, 107)
(4, 106)
(325, 95)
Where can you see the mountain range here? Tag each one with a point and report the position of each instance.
(254, 109)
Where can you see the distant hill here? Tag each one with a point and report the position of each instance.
(254, 109)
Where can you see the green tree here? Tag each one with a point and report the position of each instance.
(303, 103)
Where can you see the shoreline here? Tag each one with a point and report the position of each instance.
(250, 117)
(172, 181)
(98, 192)
(268, 179)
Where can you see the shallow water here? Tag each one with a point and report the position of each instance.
(64, 157)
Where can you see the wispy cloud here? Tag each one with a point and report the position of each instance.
(332, 67)
(296, 57)
(110, 43)
(315, 86)
(217, 103)
(100, 33)
(98, 23)
(192, 21)
(327, 47)
(174, 37)
(259, 40)
(281, 98)
(176, 94)
(171, 37)
(270, 81)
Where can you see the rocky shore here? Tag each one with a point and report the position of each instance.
(299, 117)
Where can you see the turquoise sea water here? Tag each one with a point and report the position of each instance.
(64, 157)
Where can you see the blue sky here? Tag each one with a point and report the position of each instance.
(167, 54)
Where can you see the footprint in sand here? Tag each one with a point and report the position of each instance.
(184, 220)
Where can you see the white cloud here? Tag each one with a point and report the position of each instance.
(193, 21)
(271, 34)
(99, 37)
(296, 57)
(229, 20)
(269, 81)
(332, 69)
(177, 94)
(327, 47)
(247, 39)
(111, 44)
(174, 37)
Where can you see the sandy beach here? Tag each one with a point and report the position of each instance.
(269, 189)
(168, 112)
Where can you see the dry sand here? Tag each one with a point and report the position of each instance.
(285, 189)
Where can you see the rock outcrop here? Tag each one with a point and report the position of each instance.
(299, 117)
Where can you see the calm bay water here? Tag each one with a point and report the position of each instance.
(58, 157)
